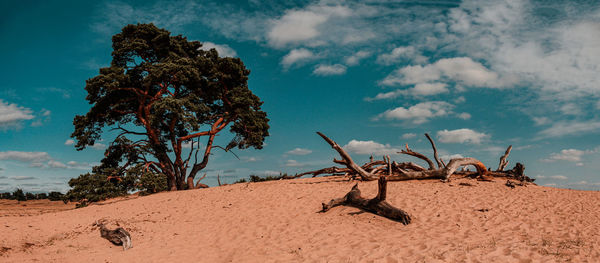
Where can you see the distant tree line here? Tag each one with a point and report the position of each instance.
(19, 195)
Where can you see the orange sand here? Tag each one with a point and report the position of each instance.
(278, 221)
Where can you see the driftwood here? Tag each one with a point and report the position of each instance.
(503, 161)
(377, 205)
(394, 171)
(119, 236)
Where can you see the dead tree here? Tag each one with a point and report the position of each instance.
(377, 205)
(394, 171)
(406, 171)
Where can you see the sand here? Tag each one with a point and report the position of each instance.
(279, 221)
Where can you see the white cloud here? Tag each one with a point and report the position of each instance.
(418, 113)
(558, 177)
(556, 55)
(419, 90)
(460, 99)
(24, 156)
(409, 135)
(448, 157)
(297, 56)
(564, 128)
(328, 70)
(462, 70)
(11, 115)
(369, 147)
(569, 155)
(56, 164)
(224, 50)
(22, 178)
(540, 120)
(355, 58)
(401, 54)
(293, 163)
(99, 146)
(461, 136)
(299, 151)
(69, 142)
(464, 116)
(298, 26)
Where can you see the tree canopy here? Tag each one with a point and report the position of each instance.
(162, 92)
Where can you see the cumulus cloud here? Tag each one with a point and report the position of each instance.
(299, 151)
(24, 156)
(224, 50)
(399, 54)
(294, 163)
(419, 90)
(464, 116)
(369, 147)
(69, 142)
(99, 146)
(565, 128)
(569, 155)
(328, 70)
(418, 113)
(11, 115)
(461, 136)
(297, 56)
(56, 164)
(355, 58)
(298, 26)
(409, 135)
(462, 70)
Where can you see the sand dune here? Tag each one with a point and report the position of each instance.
(278, 221)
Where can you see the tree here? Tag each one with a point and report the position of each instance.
(162, 92)
(19, 195)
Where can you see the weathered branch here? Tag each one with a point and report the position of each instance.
(503, 162)
(410, 152)
(348, 160)
(435, 155)
(329, 170)
(377, 205)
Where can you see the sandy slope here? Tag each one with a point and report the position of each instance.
(277, 221)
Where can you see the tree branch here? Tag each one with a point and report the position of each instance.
(435, 155)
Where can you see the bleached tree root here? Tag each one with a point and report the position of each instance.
(377, 205)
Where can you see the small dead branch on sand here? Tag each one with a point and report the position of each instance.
(377, 205)
(118, 236)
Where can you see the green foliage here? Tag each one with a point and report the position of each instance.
(55, 196)
(41, 196)
(165, 90)
(19, 195)
(93, 188)
(150, 183)
(6, 195)
(256, 179)
(30, 196)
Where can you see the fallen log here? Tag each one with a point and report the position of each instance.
(377, 205)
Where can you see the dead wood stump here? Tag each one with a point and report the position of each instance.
(377, 205)
(118, 236)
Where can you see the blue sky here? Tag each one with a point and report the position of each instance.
(373, 75)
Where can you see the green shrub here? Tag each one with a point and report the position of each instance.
(19, 195)
(55, 196)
